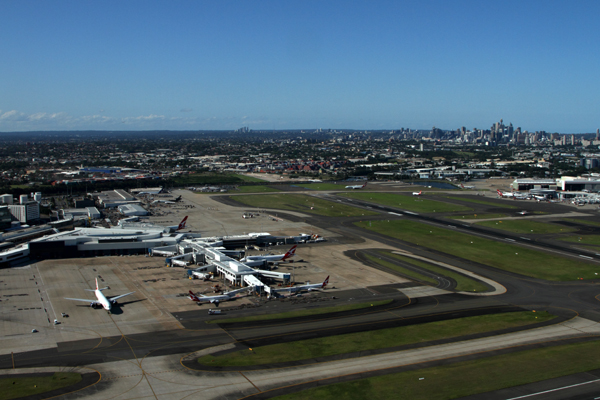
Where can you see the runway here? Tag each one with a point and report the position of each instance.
(148, 365)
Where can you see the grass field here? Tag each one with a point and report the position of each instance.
(470, 199)
(207, 178)
(496, 254)
(247, 178)
(327, 186)
(376, 339)
(300, 313)
(303, 203)
(463, 283)
(592, 240)
(526, 226)
(13, 388)
(404, 271)
(410, 203)
(465, 378)
(254, 189)
(478, 216)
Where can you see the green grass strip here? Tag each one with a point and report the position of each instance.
(526, 226)
(465, 378)
(404, 271)
(329, 186)
(592, 240)
(300, 313)
(478, 216)
(412, 203)
(376, 339)
(247, 178)
(463, 283)
(470, 199)
(496, 254)
(13, 388)
(303, 203)
(254, 189)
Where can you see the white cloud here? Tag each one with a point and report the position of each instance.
(15, 120)
(13, 115)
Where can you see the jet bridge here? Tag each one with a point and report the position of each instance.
(259, 287)
(283, 276)
(164, 251)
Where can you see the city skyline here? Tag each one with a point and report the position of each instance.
(298, 65)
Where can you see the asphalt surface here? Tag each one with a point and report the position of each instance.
(564, 299)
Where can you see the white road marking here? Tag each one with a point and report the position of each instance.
(554, 390)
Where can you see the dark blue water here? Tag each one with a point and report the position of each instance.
(437, 185)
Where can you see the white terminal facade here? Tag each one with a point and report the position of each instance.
(207, 255)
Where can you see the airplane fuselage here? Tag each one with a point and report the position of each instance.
(102, 300)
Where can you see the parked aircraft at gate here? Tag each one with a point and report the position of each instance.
(215, 299)
(513, 195)
(174, 228)
(105, 302)
(309, 287)
(273, 257)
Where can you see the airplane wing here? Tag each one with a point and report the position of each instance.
(86, 300)
(119, 296)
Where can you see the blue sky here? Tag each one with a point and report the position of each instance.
(193, 65)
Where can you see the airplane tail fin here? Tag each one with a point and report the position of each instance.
(182, 223)
(364, 184)
(97, 287)
(291, 252)
(420, 191)
(499, 192)
(462, 186)
(193, 297)
(325, 282)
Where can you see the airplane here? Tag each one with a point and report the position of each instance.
(200, 275)
(513, 195)
(466, 187)
(101, 299)
(356, 186)
(273, 257)
(215, 299)
(179, 227)
(309, 287)
(177, 199)
(417, 193)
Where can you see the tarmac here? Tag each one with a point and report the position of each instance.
(139, 349)
(164, 377)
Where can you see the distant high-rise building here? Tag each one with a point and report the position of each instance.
(597, 134)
